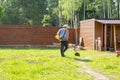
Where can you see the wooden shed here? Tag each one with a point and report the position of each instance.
(107, 29)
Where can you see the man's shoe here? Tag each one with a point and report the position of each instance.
(63, 55)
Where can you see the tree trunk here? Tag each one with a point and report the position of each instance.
(118, 1)
(84, 10)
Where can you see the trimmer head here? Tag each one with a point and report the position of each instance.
(77, 54)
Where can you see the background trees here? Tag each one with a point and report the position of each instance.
(23, 11)
(56, 12)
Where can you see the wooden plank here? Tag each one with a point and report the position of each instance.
(111, 33)
(102, 35)
(105, 37)
(114, 37)
(87, 33)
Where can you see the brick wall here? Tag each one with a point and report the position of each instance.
(15, 35)
(30, 35)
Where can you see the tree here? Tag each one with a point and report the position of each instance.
(69, 7)
(24, 11)
(53, 11)
(1, 13)
(46, 21)
(118, 8)
(33, 12)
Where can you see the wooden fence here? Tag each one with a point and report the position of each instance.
(24, 35)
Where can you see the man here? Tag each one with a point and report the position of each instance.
(99, 43)
(64, 34)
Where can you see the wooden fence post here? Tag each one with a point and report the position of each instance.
(105, 37)
(114, 37)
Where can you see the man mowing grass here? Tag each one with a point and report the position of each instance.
(64, 34)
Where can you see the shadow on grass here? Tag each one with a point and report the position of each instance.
(83, 60)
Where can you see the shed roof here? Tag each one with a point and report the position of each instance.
(108, 21)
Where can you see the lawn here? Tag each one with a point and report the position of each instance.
(47, 64)
(39, 64)
(103, 62)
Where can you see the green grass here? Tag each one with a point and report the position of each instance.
(104, 62)
(47, 64)
(39, 64)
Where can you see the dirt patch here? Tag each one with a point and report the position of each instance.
(96, 75)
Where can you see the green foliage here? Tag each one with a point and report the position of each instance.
(32, 11)
(1, 13)
(23, 11)
(68, 7)
(46, 20)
